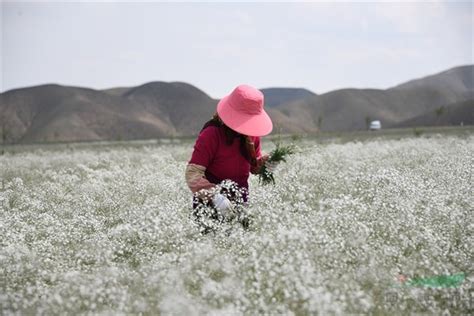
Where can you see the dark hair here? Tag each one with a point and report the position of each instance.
(247, 147)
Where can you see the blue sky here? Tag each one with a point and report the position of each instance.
(320, 46)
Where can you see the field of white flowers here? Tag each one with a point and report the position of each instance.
(108, 230)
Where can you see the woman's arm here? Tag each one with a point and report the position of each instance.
(196, 179)
(261, 158)
(204, 151)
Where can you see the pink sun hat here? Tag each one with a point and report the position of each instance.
(242, 111)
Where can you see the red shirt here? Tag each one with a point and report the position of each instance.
(222, 161)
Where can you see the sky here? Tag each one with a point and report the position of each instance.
(320, 46)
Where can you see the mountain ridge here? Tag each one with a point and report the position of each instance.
(53, 112)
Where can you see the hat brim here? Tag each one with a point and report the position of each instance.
(243, 123)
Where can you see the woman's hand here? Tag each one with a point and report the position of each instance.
(264, 158)
(222, 204)
(271, 166)
(261, 161)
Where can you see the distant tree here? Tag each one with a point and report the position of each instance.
(368, 119)
(4, 128)
(417, 132)
(5, 132)
(296, 138)
(320, 122)
(439, 111)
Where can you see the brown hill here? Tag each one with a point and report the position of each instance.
(461, 113)
(116, 91)
(159, 109)
(459, 79)
(52, 112)
(178, 104)
(352, 109)
(60, 113)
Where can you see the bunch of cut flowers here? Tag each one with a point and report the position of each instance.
(279, 154)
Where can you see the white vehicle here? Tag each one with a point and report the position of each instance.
(375, 125)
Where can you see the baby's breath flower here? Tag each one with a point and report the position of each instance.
(110, 231)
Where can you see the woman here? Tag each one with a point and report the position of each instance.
(228, 148)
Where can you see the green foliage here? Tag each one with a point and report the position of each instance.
(320, 122)
(439, 111)
(296, 137)
(417, 132)
(367, 121)
(279, 154)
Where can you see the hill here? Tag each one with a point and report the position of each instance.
(52, 112)
(60, 113)
(460, 79)
(352, 109)
(461, 113)
(176, 103)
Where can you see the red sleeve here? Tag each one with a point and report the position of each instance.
(205, 147)
(258, 152)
